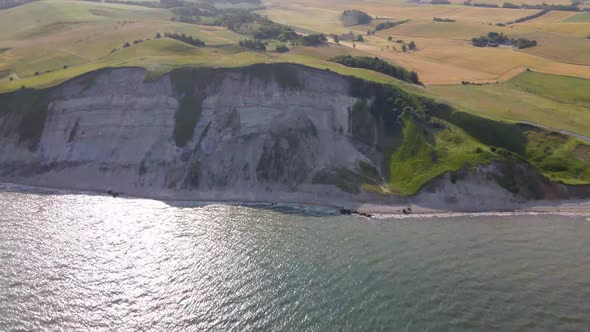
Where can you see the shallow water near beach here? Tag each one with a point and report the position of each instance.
(83, 262)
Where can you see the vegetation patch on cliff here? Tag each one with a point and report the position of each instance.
(427, 153)
(559, 157)
(384, 104)
(192, 85)
(285, 75)
(491, 132)
(27, 110)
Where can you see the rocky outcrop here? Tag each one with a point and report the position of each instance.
(263, 133)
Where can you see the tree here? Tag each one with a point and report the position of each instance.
(404, 48)
(360, 38)
(282, 49)
(412, 45)
(355, 17)
(186, 39)
(126, 45)
(336, 39)
(414, 77)
(253, 44)
(65, 66)
(158, 35)
(11, 78)
(390, 38)
(313, 40)
(389, 25)
(379, 65)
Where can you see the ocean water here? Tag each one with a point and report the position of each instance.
(83, 262)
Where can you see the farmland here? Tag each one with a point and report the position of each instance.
(49, 41)
(559, 102)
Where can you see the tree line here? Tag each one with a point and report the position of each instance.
(508, 5)
(258, 26)
(447, 20)
(530, 17)
(253, 44)
(185, 38)
(378, 65)
(495, 39)
(389, 25)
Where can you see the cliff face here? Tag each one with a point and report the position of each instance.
(267, 132)
(242, 130)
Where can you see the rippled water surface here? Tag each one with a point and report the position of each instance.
(76, 262)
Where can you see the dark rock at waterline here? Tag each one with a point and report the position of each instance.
(348, 212)
(113, 193)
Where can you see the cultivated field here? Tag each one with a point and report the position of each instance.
(49, 41)
(444, 54)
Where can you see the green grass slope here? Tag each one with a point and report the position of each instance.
(555, 101)
(562, 89)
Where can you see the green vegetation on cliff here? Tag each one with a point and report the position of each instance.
(24, 111)
(559, 157)
(191, 86)
(428, 152)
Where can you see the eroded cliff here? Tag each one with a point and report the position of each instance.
(267, 132)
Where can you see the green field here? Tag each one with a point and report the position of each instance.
(555, 101)
(562, 89)
(583, 17)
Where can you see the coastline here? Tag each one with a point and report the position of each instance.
(378, 211)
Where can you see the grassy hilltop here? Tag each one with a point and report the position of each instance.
(492, 89)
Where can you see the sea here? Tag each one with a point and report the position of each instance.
(82, 262)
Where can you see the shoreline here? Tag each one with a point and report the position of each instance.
(378, 211)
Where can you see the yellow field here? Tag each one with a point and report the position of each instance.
(52, 34)
(313, 19)
(528, 2)
(444, 54)
(46, 35)
(445, 61)
(462, 29)
(560, 47)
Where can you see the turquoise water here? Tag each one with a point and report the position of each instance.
(76, 262)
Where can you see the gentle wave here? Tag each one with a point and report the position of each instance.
(299, 208)
(91, 262)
